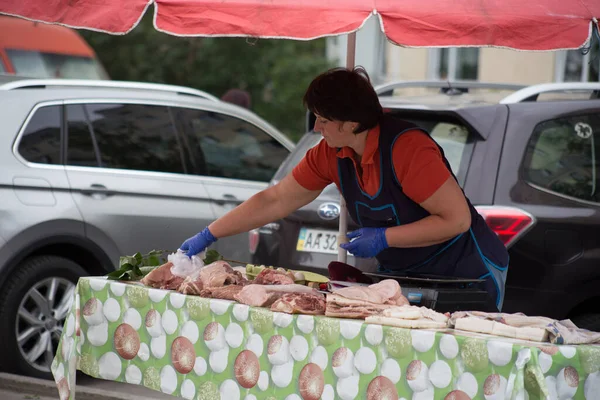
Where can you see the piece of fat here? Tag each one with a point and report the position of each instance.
(473, 324)
(501, 329)
(533, 334)
(405, 312)
(406, 323)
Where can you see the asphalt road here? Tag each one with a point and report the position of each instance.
(141, 391)
(15, 387)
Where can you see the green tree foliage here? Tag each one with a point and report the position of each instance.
(275, 72)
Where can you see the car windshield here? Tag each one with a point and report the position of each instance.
(452, 136)
(36, 64)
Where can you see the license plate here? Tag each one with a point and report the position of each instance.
(317, 241)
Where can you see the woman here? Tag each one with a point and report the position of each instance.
(398, 186)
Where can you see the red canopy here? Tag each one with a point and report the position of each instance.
(517, 24)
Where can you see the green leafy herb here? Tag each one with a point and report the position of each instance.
(212, 256)
(135, 267)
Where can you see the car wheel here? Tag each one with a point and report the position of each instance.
(34, 304)
(588, 321)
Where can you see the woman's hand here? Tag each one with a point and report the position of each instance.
(198, 243)
(368, 242)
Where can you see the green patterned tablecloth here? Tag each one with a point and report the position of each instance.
(206, 349)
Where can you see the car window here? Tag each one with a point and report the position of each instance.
(563, 156)
(80, 146)
(123, 136)
(452, 138)
(40, 142)
(227, 147)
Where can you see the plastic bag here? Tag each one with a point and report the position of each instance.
(184, 266)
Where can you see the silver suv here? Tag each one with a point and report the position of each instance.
(92, 170)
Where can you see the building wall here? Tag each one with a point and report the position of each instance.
(406, 64)
(495, 65)
(510, 66)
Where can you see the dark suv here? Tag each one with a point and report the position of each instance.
(529, 160)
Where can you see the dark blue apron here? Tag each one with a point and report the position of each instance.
(477, 253)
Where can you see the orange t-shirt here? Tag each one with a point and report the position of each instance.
(417, 161)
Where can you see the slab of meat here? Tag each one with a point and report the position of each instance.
(273, 277)
(215, 275)
(256, 296)
(390, 290)
(340, 306)
(362, 293)
(191, 285)
(300, 303)
(265, 295)
(220, 274)
(226, 292)
(385, 292)
(162, 278)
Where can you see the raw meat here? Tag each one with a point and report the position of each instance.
(292, 288)
(390, 290)
(300, 303)
(219, 274)
(162, 278)
(190, 285)
(265, 295)
(362, 293)
(273, 277)
(340, 306)
(253, 295)
(385, 292)
(215, 275)
(226, 292)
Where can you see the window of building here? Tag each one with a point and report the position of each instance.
(227, 147)
(452, 63)
(41, 142)
(574, 66)
(564, 156)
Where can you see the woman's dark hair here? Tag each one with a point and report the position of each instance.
(345, 95)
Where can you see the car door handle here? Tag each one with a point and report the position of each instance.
(97, 189)
(227, 198)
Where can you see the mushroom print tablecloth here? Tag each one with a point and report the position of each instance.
(206, 349)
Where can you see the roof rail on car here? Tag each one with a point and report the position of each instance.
(531, 93)
(462, 86)
(45, 83)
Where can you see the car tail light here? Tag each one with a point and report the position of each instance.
(509, 223)
(253, 238)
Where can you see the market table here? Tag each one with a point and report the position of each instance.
(206, 349)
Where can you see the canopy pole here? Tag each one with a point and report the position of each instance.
(343, 228)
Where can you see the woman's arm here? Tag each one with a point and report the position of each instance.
(450, 216)
(266, 206)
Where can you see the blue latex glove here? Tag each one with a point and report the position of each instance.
(368, 242)
(198, 243)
